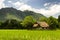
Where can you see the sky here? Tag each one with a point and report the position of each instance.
(45, 7)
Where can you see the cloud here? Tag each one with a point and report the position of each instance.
(52, 9)
(18, 4)
(2, 5)
(46, 4)
(10, 1)
(23, 6)
(24, 1)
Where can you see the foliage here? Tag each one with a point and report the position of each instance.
(11, 24)
(28, 21)
(59, 21)
(8, 13)
(53, 22)
(29, 35)
(15, 19)
(59, 18)
(43, 19)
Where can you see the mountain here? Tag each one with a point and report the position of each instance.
(11, 13)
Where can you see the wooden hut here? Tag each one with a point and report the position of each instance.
(42, 25)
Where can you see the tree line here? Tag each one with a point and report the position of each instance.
(28, 21)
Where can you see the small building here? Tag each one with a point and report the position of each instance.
(35, 25)
(41, 25)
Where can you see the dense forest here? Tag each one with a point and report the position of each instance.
(11, 18)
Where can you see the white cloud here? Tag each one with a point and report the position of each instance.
(18, 4)
(46, 4)
(24, 1)
(22, 6)
(2, 5)
(25, 7)
(10, 1)
(52, 10)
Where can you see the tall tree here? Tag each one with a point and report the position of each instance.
(53, 22)
(59, 21)
(43, 19)
(28, 21)
(11, 24)
(59, 18)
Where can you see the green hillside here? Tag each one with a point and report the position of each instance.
(11, 13)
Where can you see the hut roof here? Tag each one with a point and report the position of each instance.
(43, 24)
(35, 25)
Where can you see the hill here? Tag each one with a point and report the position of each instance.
(11, 13)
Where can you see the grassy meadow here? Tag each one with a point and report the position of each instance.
(29, 35)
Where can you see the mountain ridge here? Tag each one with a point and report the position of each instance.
(8, 13)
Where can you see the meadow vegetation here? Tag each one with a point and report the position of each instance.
(28, 21)
(29, 35)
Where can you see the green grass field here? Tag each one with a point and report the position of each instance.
(29, 35)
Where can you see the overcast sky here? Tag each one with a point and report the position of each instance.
(45, 7)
